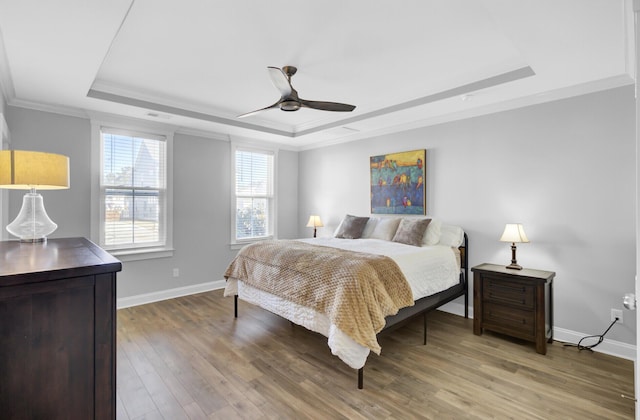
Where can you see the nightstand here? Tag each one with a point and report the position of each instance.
(518, 303)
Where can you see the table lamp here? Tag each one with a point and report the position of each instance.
(514, 232)
(27, 170)
(314, 222)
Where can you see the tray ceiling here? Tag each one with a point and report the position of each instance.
(198, 64)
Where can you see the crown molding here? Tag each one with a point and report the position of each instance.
(554, 95)
(563, 93)
(44, 107)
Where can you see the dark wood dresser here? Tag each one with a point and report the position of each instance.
(57, 330)
(518, 303)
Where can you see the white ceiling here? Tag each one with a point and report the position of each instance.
(197, 64)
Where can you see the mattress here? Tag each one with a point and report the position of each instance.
(428, 270)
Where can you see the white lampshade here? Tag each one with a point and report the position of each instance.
(514, 232)
(314, 221)
(26, 170)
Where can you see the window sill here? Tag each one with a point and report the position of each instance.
(141, 254)
(238, 245)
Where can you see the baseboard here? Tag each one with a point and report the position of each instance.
(611, 347)
(169, 294)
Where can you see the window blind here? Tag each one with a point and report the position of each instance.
(133, 186)
(254, 194)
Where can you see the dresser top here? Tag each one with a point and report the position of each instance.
(51, 260)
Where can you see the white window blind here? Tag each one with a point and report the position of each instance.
(133, 190)
(254, 194)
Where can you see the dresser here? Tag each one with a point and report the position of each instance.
(57, 330)
(518, 303)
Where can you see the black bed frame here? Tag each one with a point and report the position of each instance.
(428, 303)
(422, 306)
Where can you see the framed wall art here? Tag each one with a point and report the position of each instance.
(398, 183)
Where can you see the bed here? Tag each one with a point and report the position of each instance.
(357, 284)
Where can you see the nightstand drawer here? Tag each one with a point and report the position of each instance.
(509, 292)
(517, 322)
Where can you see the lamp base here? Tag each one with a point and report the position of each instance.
(32, 223)
(32, 240)
(514, 263)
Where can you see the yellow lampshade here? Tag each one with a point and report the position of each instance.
(514, 232)
(26, 170)
(314, 221)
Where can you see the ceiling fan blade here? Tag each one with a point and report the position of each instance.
(280, 81)
(276, 105)
(327, 106)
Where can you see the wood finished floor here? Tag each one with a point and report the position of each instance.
(188, 358)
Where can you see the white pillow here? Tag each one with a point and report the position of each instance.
(385, 228)
(370, 226)
(432, 235)
(451, 235)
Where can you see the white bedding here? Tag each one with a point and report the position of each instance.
(428, 269)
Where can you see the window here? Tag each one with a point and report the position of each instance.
(134, 198)
(253, 212)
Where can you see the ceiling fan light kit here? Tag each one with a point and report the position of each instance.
(289, 99)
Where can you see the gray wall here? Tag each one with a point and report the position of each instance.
(201, 199)
(47, 132)
(564, 169)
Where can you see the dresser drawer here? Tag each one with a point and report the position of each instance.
(516, 322)
(509, 292)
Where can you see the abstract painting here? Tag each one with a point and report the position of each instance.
(398, 183)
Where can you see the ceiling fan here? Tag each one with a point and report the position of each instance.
(289, 99)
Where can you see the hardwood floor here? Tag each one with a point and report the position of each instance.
(188, 358)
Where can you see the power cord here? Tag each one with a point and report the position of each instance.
(599, 337)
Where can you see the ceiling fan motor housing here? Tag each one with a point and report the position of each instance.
(290, 106)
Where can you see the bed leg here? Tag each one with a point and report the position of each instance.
(235, 306)
(361, 378)
(425, 328)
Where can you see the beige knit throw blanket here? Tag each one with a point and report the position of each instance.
(355, 290)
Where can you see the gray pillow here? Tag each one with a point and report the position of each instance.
(352, 227)
(411, 231)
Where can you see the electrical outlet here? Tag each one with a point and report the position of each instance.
(616, 313)
(176, 273)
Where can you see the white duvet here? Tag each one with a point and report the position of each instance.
(428, 269)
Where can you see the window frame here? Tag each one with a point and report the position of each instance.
(5, 141)
(236, 243)
(151, 131)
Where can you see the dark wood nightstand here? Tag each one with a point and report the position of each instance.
(518, 303)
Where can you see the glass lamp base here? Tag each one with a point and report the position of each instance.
(32, 224)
